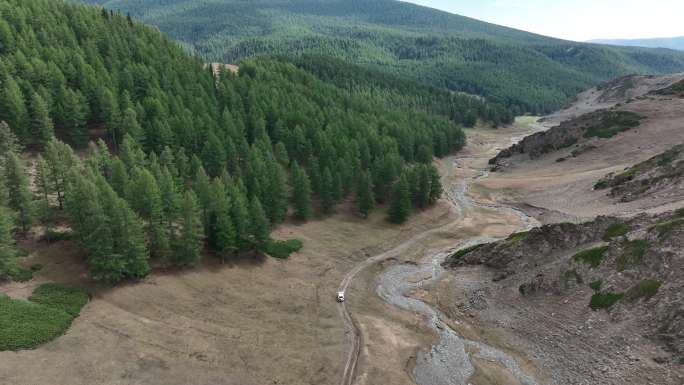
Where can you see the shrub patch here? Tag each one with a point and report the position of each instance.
(44, 317)
(592, 257)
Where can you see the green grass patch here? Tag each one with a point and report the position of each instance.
(44, 317)
(632, 254)
(64, 297)
(616, 230)
(681, 360)
(592, 257)
(283, 249)
(596, 285)
(19, 274)
(680, 213)
(645, 289)
(665, 228)
(463, 252)
(613, 123)
(604, 300)
(518, 237)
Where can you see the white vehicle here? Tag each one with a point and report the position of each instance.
(340, 296)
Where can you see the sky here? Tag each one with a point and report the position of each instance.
(578, 20)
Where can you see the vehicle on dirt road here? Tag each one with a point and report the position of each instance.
(340, 296)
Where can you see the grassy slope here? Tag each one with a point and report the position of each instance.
(519, 68)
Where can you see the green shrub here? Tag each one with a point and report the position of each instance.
(52, 236)
(680, 213)
(45, 316)
(463, 252)
(613, 123)
(571, 275)
(604, 300)
(518, 237)
(283, 249)
(616, 230)
(593, 257)
(64, 297)
(596, 285)
(633, 253)
(681, 360)
(645, 289)
(20, 274)
(26, 325)
(667, 227)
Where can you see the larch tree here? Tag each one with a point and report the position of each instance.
(20, 196)
(400, 205)
(365, 196)
(260, 229)
(301, 192)
(42, 127)
(188, 245)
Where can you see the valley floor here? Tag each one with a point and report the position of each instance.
(276, 322)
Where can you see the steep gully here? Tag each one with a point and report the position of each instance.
(448, 361)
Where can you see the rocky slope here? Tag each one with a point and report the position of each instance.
(599, 114)
(661, 175)
(634, 267)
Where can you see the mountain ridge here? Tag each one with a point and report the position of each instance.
(675, 43)
(524, 71)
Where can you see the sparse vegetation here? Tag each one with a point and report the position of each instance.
(64, 297)
(518, 237)
(282, 249)
(44, 317)
(667, 227)
(604, 300)
(616, 230)
(592, 257)
(613, 123)
(596, 285)
(632, 254)
(645, 289)
(463, 252)
(571, 275)
(582, 150)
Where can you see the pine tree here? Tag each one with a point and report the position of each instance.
(7, 249)
(400, 206)
(60, 159)
(119, 177)
(20, 196)
(241, 217)
(6, 228)
(43, 184)
(42, 128)
(13, 109)
(277, 193)
(214, 156)
(260, 229)
(435, 185)
(8, 141)
(364, 194)
(423, 186)
(75, 114)
(188, 245)
(131, 127)
(327, 194)
(144, 197)
(301, 192)
(221, 235)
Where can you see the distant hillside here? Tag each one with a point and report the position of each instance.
(527, 72)
(665, 42)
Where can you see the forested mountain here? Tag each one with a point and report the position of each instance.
(663, 42)
(527, 72)
(184, 158)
